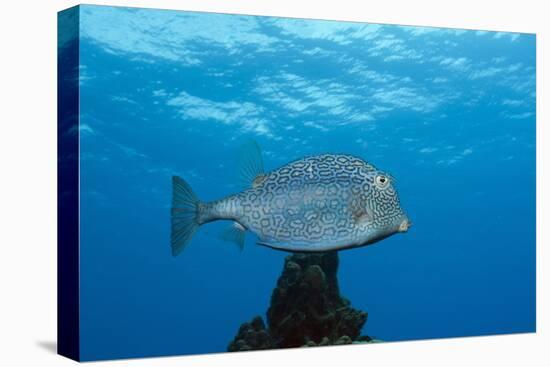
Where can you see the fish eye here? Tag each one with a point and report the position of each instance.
(382, 181)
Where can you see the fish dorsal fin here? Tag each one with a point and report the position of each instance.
(251, 166)
(258, 180)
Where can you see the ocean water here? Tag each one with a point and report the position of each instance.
(449, 113)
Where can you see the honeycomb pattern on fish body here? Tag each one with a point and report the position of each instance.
(316, 199)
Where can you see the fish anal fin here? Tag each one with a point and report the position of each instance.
(235, 234)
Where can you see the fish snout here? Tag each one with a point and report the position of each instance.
(404, 225)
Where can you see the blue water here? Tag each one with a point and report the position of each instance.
(449, 113)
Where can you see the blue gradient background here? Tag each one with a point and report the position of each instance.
(449, 113)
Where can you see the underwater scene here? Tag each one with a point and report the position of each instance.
(254, 182)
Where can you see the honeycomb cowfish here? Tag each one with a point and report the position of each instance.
(319, 203)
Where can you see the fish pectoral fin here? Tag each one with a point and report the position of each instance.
(235, 233)
(251, 166)
(361, 216)
(362, 219)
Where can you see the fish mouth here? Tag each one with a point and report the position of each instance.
(404, 225)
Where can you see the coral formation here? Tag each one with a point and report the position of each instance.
(252, 336)
(306, 309)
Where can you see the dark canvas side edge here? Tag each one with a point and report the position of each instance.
(68, 315)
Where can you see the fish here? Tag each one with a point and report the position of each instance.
(318, 203)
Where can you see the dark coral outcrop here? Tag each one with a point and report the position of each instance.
(252, 336)
(306, 309)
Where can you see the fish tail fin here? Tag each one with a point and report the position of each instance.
(185, 214)
(251, 165)
(235, 234)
